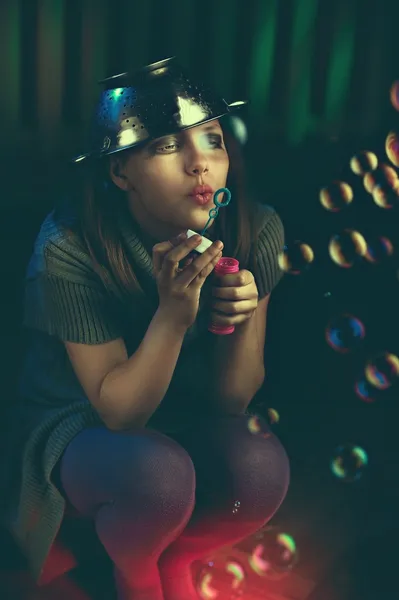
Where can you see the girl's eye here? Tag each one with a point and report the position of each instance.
(216, 140)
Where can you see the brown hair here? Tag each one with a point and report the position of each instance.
(97, 200)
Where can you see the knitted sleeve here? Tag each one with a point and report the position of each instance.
(65, 298)
(270, 245)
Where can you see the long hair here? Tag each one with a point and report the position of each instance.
(95, 200)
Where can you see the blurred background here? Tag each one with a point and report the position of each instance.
(320, 141)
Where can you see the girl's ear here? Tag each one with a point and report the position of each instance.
(117, 175)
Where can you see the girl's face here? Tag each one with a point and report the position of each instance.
(159, 178)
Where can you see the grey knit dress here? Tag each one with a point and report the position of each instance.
(65, 300)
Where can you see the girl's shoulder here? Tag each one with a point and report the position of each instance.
(59, 250)
(270, 245)
(266, 217)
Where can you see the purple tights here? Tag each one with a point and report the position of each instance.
(160, 503)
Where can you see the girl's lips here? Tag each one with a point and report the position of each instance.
(202, 199)
(201, 189)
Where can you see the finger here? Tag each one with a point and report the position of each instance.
(160, 250)
(186, 262)
(220, 319)
(158, 253)
(232, 308)
(199, 280)
(239, 279)
(178, 239)
(202, 266)
(229, 293)
(207, 270)
(171, 259)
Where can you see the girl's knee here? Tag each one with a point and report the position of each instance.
(142, 469)
(256, 461)
(159, 473)
(264, 467)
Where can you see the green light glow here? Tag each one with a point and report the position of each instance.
(262, 63)
(12, 41)
(341, 63)
(299, 117)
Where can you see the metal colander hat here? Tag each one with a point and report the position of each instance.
(157, 100)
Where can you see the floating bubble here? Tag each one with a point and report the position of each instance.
(236, 507)
(392, 147)
(382, 370)
(348, 462)
(383, 176)
(386, 196)
(367, 392)
(378, 249)
(257, 427)
(336, 196)
(346, 248)
(221, 578)
(273, 415)
(364, 391)
(296, 258)
(363, 162)
(272, 553)
(239, 129)
(394, 95)
(344, 333)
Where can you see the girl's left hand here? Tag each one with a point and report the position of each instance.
(234, 299)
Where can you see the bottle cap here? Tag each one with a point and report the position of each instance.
(227, 265)
(221, 329)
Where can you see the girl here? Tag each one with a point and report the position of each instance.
(131, 412)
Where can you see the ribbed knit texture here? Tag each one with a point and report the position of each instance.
(65, 300)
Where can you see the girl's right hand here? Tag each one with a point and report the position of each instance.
(179, 289)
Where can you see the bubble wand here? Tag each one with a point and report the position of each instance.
(213, 213)
(224, 265)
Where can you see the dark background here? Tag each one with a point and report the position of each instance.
(317, 75)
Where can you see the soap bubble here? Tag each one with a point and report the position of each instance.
(394, 95)
(272, 552)
(336, 196)
(236, 507)
(363, 162)
(273, 415)
(383, 176)
(344, 333)
(366, 392)
(386, 196)
(382, 370)
(296, 258)
(348, 462)
(378, 249)
(392, 147)
(346, 248)
(221, 578)
(257, 427)
(239, 129)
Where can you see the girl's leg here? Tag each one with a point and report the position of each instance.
(139, 487)
(232, 465)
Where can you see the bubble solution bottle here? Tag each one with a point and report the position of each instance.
(226, 265)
